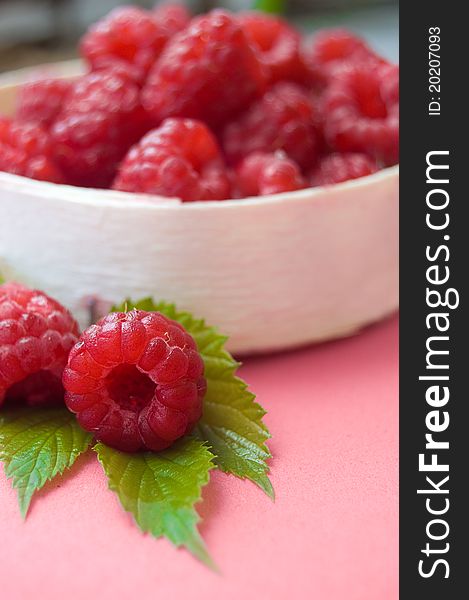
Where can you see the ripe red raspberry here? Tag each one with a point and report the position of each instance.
(127, 34)
(284, 119)
(25, 149)
(262, 174)
(331, 45)
(334, 49)
(101, 120)
(136, 381)
(180, 159)
(40, 101)
(362, 115)
(278, 44)
(36, 335)
(208, 71)
(172, 17)
(336, 168)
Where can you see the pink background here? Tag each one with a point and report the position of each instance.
(332, 533)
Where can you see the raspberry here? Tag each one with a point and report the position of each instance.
(332, 45)
(284, 119)
(278, 43)
(336, 168)
(172, 17)
(136, 381)
(362, 115)
(334, 49)
(208, 71)
(127, 34)
(181, 159)
(36, 335)
(25, 149)
(101, 120)
(41, 101)
(262, 174)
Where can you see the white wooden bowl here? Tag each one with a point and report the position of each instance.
(272, 272)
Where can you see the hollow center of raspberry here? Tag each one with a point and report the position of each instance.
(39, 389)
(130, 388)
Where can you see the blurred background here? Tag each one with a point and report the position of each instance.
(38, 31)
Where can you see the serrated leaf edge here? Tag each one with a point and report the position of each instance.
(25, 497)
(196, 544)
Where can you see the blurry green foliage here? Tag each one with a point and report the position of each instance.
(270, 6)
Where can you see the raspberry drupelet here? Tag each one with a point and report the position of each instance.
(26, 149)
(209, 71)
(36, 335)
(101, 120)
(263, 174)
(181, 158)
(136, 381)
(361, 113)
(336, 168)
(285, 118)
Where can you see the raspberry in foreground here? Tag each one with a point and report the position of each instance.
(263, 174)
(101, 120)
(283, 119)
(128, 34)
(180, 159)
(36, 335)
(336, 168)
(361, 113)
(208, 71)
(278, 43)
(40, 101)
(26, 149)
(136, 381)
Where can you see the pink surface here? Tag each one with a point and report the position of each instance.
(330, 535)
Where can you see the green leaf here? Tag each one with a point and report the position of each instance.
(270, 6)
(232, 420)
(161, 489)
(38, 444)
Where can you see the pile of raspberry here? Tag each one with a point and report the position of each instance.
(209, 107)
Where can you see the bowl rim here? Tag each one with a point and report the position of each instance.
(114, 198)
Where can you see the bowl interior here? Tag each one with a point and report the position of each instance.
(9, 86)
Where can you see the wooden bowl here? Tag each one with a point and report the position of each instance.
(272, 272)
